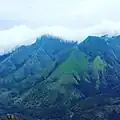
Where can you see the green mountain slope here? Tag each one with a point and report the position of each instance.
(60, 80)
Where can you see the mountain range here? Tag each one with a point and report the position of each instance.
(56, 79)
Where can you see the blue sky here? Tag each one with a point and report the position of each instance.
(21, 21)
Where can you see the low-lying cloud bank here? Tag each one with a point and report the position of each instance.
(23, 35)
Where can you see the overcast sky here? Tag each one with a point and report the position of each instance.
(21, 21)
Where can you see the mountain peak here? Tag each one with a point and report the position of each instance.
(52, 76)
(48, 37)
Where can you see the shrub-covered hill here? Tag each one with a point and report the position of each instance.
(54, 79)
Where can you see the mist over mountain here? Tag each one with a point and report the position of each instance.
(62, 80)
(25, 35)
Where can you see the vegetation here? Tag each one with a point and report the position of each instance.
(99, 66)
(77, 61)
(53, 79)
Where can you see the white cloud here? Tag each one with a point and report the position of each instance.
(93, 12)
(71, 19)
(23, 35)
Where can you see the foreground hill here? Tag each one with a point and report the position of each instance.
(61, 80)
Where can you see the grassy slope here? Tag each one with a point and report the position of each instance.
(99, 66)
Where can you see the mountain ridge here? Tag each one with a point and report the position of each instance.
(57, 79)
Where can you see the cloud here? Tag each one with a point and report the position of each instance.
(21, 21)
(37, 12)
(23, 35)
(67, 13)
(91, 12)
